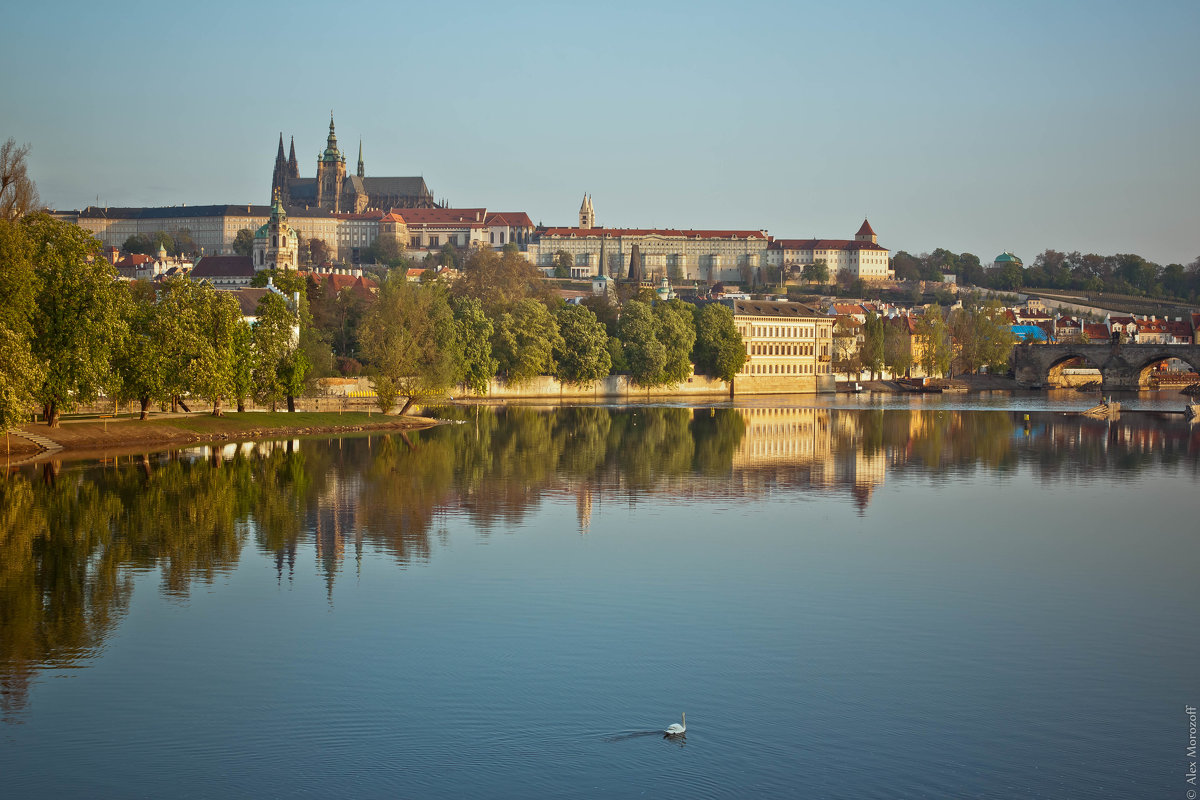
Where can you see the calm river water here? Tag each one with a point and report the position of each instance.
(926, 601)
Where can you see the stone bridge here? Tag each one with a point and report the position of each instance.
(1122, 366)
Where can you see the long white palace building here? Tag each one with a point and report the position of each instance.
(682, 254)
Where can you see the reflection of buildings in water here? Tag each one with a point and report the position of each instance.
(788, 445)
(583, 506)
(228, 452)
(776, 436)
(338, 515)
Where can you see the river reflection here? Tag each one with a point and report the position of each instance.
(73, 537)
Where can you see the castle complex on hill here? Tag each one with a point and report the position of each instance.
(348, 213)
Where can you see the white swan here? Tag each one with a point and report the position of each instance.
(676, 729)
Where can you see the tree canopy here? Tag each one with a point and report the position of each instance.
(75, 314)
(410, 341)
(582, 356)
(525, 341)
(719, 350)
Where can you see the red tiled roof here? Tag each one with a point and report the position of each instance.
(1095, 331)
(849, 308)
(593, 233)
(513, 219)
(904, 321)
(824, 244)
(134, 260)
(392, 216)
(1180, 330)
(865, 230)
(443, 216)
(224, 267)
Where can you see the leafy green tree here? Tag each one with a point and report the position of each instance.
(677, 332)
(211, 373)
(161, 240)
(184, 242)
(385, 250)
(74, 314)
(562, 264)
(1010, 277)
(934, 338)
(273, 343)
(605, 310)
(980, 335)
(897, 347)
(583, 354)
(871, 353)
(242, 383)
(411, 342)
(719, 350)
(293, 374)
(816, 272)
(243, 242)
(906, 266)
(475, 335)
(644, 355)
(20, 372)
(319, 252)
(499, 280)
(140, 359)
(525, 341)
(137, 243)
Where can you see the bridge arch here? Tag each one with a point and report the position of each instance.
(1070, 369)
(1144, 366)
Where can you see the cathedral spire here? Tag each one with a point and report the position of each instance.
(279, 175)
(293, 165)
(362, 173)
(331, 148)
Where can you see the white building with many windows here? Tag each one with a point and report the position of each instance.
(789, 347)
(861, 257)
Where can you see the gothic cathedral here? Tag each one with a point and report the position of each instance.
(334, 190)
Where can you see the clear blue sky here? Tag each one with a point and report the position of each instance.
(973, 126)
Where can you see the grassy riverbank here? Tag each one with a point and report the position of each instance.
(167, 430)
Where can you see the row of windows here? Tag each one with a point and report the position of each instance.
(781, 349)
(781, 332)
(785, 369)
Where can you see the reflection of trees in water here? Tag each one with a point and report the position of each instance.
(70, 543)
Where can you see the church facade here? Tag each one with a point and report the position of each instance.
(336, 191)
